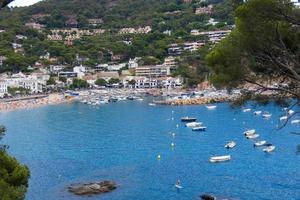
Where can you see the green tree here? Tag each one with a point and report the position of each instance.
(13, 177)
(114, 81)
(79, 84)
(263, 48)
(101, 82)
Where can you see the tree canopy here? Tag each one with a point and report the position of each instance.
(263, 49)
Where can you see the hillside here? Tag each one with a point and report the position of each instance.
(151, 27)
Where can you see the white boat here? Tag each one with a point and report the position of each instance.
(252, 136)
(193, 124)
(211, 107)
(249, 132)
(257, 112)
(267, 115)
(152, 104)
(178, 186)
(295, 121)
(260, 143)
(269, 149)
(283, 118)
(199, 128)
(215, 159)
(230, 145)
(290, 112)
(246, 110)
(140, 99)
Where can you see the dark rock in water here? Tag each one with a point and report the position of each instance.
(93, 188)
(207, 197)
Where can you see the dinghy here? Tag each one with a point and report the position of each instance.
(260, 143)
(252, 136)
(257, 112)
(249, 132)
(269, 149)
(215, 159)
(230, 145)
(267, 115)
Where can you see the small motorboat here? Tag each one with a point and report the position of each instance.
(211, 107)
(193, 124)
(290, 112)
(249, 132)
(178, 186)
(269, 149)
(295, 121)
(252, 136)
(152, 104)
(215, 159)
(283, 118)
(246, 110)
(230, 145)
(260, 143)
(267, 115)
(199, 128)
(188, 119)
(257, 112)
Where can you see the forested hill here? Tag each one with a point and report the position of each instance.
(27, 34)
(121, 13)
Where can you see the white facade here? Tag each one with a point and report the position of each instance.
(133, 63)
(3, 88)
(80, 70)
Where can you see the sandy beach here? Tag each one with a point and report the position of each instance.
(29, 103)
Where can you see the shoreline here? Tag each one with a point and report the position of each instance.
(30, 102)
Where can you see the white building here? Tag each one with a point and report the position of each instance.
(56, 68)
(116, 67)
(133, 63)
(34, 83)
(296, 2)
(153, 71)
(80, 70)
(3, 88)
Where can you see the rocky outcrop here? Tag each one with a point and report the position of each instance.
(93, 188)
(207, 197)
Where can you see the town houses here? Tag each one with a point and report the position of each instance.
(213, 36)
(140, 30)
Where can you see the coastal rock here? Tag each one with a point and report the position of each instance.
(207, 197)
(93, 188)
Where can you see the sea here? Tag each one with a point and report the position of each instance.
(76, 143)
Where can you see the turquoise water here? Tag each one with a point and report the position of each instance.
(73, 143)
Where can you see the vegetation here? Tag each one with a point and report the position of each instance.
(101, 82)
(18, 90)
(13, 176)
(175, 15)
(263, 48)
(79, 84)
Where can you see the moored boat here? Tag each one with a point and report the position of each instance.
(249, 132)
(188, 119)
(246, 110)
(267, 115)
(295, 121)
(252, 136)
(283, 118)
(211, 107)
(230, 145)
(193, 124)
(199, 128)
(215, 159)
(260, 143)
(151, 104)
(257, 112)
(269, 149)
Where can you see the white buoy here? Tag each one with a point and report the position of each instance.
(177, 125)
(172, 144)
(172, 118)
(172, 111)
(158, 157)
(173, 134)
